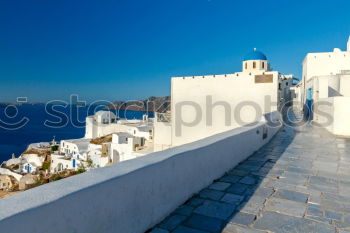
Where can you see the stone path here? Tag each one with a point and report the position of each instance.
(299, 182)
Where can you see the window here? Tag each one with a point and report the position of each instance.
(263, 65)
(246, 65)
(254, 65)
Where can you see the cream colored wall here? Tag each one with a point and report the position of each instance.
(329, 86)
(345, 85)
(232, 89)
(323, 85)
(106, 129)
(326, 107)
(341, 116)
(317, 64)
(297, 98)
(162, 136)
(338, 115)
(260, 65)
(89, 127)
(125, 150)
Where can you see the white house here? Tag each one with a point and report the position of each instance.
(34, 159)
(202, 106)
(12, 162)
(72, 155)
(100, 124)
(142, 131)
(61, 162)
(123, 146)
(5, 171)
(326, 89)
(75, 148)
(28, 168)
(105, 122)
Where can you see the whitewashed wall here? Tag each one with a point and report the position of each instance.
(332, 63)
(338, 115)
(131, 196)
(162, 136)
(235, 90)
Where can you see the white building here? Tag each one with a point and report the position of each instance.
(72, 154)
(105, 123)
(28, 168)
(99, 155)
(202, 106)
(12, 162)
(75, 148)
(297, 93)
(34, 159)
(124, 145)
(30, 163)
(61, 162)
(326, 89)
(5, 171)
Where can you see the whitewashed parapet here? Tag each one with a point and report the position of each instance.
(134, 195)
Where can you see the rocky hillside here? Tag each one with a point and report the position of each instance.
(151, 104)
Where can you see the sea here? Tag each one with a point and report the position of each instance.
(26, 124)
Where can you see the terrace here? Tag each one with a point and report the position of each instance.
(297, 182)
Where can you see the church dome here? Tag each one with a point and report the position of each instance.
(255, 55)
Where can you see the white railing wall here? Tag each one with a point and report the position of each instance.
(134, 195)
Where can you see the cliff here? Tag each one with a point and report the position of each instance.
(151, 104)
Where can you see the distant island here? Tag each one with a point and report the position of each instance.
(5, 104)
(151, 104)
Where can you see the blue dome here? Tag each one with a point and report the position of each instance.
(255, 55)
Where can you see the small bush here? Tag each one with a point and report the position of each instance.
(54, 148)
(46, 165)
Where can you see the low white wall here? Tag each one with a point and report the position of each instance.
(341, 124)
(131, 196)
(335, 115)
(324, 113)
(162, 136)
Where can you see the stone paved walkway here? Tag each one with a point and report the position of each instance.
(299, 182)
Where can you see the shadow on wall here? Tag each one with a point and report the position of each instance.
(236, 194)
(333, 93)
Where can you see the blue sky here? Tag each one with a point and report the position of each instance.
(129, 49)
